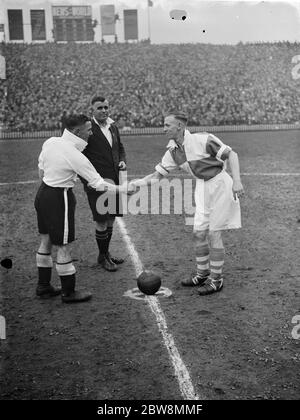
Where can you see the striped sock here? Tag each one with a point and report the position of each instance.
(109, 235)
(216, 262)
(102, 241)
(202, 258)
(65, 268)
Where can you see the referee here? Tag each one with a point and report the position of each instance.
(59, 163)
(107, 154)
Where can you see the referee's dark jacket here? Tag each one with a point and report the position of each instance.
(104, 157)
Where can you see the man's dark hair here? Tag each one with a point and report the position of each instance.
(75, 120)
(98, 98)
(180, 116)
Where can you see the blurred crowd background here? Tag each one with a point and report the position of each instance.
(213, 84)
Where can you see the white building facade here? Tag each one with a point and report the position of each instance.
(47, 6)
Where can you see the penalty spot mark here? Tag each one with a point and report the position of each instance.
(138, 295)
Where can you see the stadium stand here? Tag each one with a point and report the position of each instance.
(214, 84)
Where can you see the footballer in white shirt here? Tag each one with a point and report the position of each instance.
(60, 162)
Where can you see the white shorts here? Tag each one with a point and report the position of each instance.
(216, 208)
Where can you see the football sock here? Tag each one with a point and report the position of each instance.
(65, 269)
(216, 262)
(44, 264)
(202, 259)
(109, 235)
(66, 272)
(102, 241)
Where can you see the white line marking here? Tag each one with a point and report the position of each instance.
(270, 173)
(242, 173)
(2, 184)
(181, 372)
(25, 140)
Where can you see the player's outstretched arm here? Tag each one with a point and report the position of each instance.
(154, 177)
(107, 186)
(83, 167)
(237, 187)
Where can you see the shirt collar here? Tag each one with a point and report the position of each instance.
(187, 134)
(108, 123)
(172, 143)
(79, 143)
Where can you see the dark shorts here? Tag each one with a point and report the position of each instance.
(105, 209)
(55, 209)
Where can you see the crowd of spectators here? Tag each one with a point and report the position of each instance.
(213, 84)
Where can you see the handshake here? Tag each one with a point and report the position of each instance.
(128, 188)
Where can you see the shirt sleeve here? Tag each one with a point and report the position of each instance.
(41, 161)
(166, 165)
(216, 148)
(83, 167)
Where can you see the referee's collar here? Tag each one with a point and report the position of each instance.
(108, 122)
(79, 143)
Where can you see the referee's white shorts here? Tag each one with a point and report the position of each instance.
(216, 208)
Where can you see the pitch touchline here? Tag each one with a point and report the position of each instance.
(270, 173)
(2, 184)
(181, 372)
(242, 173)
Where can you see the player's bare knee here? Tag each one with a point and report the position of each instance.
(200, 236)
(215, 239)
(110, 221)
(63, 254)
(101, 226)
(45, 245)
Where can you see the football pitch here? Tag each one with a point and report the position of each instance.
(236, 344)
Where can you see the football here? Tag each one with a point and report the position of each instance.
(148, 282)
